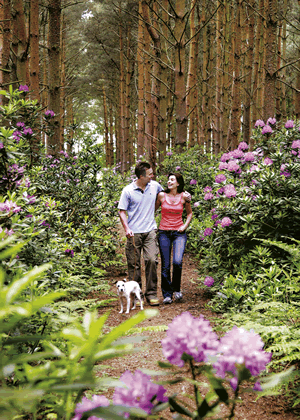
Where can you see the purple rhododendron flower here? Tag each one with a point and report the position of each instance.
(222, 166)
(268, 161)
(225, 157)
(49, 113)
(259, 123)
(289, 124)
(139, 391)
(266, 130)
(193, 336)
(254, 168)
(27, 131)
(249, 157)
(208, 196)
(207, 189)
(87, 405)
(24, 88)
(69, 252)
(214, 216)
(226, 221)
(209, 281)
(242, 347)
(9, 206)
(243, 145)
(233, 167)
(257, 386)
(230, 191)
(220, 191)
(197, 204)
(193, 182)
(296, 144)
(207, 232)
(20, 124)
(169, 153)
(1, 145)
(237, 153)
(220, 178)
(271, 121)
(177, 168)
(286, 174)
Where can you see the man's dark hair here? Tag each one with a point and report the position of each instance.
(141, 168)
(179, 179)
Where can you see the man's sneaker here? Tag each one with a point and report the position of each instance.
(153, 301)
(177, 296)
(167, 300)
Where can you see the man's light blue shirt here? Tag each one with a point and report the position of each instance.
(140, 206)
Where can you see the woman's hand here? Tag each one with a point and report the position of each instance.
(181, 229)
(187, 196)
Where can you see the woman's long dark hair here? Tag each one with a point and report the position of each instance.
(180, 181)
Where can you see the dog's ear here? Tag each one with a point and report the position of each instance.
(115, 282)
(124, 280)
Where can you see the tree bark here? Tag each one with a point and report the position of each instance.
(54, 72)
(271, 60)
(140, 83)
(180, 87)
(34, 60)
(19, 42)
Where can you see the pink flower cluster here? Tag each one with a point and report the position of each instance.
(209, 281)
(139, 391)
(226, 221)
(220, 178)
(229, 190)
(239, 346)
(190, 335)
(9, 206)
(87, 405)
(195, 337)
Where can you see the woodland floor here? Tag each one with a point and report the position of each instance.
(194, 300)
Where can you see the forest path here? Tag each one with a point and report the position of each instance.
(194, 300)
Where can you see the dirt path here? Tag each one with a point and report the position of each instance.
(265, 408)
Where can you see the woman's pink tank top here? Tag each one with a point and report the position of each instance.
(171, 214)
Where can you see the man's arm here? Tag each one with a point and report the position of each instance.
(123, 218)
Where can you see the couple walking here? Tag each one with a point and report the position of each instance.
(138, 203)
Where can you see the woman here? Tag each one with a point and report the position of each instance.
(172, 232)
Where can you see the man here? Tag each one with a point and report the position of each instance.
(138, 200)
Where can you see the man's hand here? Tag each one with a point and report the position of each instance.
(129, 233)
(187, 196)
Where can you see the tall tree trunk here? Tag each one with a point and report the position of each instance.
(219, 88)
(34, 60)
(283, 71)
(70, 123)
(236, 103)
(271, 60)
(164, 85)
(205, 76)
(192, 88)
(111, 135)
(180, 88)
(227, 79)
(106, 131)
(155, 89)
(148, 103)
(122, 102)
(140, 71)
(128, 140)
(63, 83)
(6, 33)
(248, 71)
(54, 72)
(20, 41)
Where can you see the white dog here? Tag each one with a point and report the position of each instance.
(126, 289)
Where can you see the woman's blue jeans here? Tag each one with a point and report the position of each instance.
(167, 239)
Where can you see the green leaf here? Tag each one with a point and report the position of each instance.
(179, 408)
(114, 412)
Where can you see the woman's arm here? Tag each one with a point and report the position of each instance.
(158, 200)
(189, 213)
